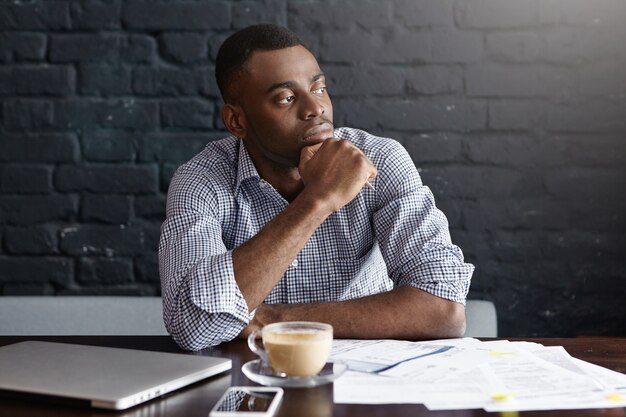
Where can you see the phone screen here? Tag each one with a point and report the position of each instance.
(246, 400)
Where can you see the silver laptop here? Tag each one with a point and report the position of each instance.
(100, 377)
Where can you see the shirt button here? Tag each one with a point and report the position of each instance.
(294, 263)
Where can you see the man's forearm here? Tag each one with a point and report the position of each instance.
(403, 313)
(260, 262)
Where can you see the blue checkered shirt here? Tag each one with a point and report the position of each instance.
(389, 237)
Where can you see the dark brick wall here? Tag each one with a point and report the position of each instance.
(513, 110)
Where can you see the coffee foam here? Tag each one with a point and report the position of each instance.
(296, 336)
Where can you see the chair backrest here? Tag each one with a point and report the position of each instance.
(128, 315)
(81, 315)
(481, 317)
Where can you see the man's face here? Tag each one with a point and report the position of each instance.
(286, 105)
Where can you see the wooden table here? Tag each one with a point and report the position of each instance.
(198, 399)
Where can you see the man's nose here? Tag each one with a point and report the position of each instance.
(312, 107)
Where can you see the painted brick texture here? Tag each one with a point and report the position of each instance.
(514, 111)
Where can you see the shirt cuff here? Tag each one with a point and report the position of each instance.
(443, 281)
(214, 289)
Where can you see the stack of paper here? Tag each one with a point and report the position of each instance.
(467, 373)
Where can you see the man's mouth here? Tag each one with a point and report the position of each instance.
(318, 133)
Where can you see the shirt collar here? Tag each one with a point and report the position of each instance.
(246, 169)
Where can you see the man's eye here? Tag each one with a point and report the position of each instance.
(320, 90)
(286, 100)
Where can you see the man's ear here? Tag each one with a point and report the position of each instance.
(234, 120)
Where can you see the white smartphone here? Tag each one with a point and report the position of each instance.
(248, 401)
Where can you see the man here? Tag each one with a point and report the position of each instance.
(291, 219)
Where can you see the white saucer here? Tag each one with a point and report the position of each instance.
(264, 375)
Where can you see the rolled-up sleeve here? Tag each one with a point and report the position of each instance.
(413, 233)
(202, 304)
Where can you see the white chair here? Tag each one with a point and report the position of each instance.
(481, 318)
(81, 315)
(131, 315)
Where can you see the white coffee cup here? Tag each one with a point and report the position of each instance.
(294, 348)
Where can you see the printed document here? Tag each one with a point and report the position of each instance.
(467, 373)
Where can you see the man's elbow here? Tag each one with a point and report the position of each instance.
(193, 344)
(452, 321)
(199, 331)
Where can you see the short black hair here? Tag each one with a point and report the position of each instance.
(237, 48)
